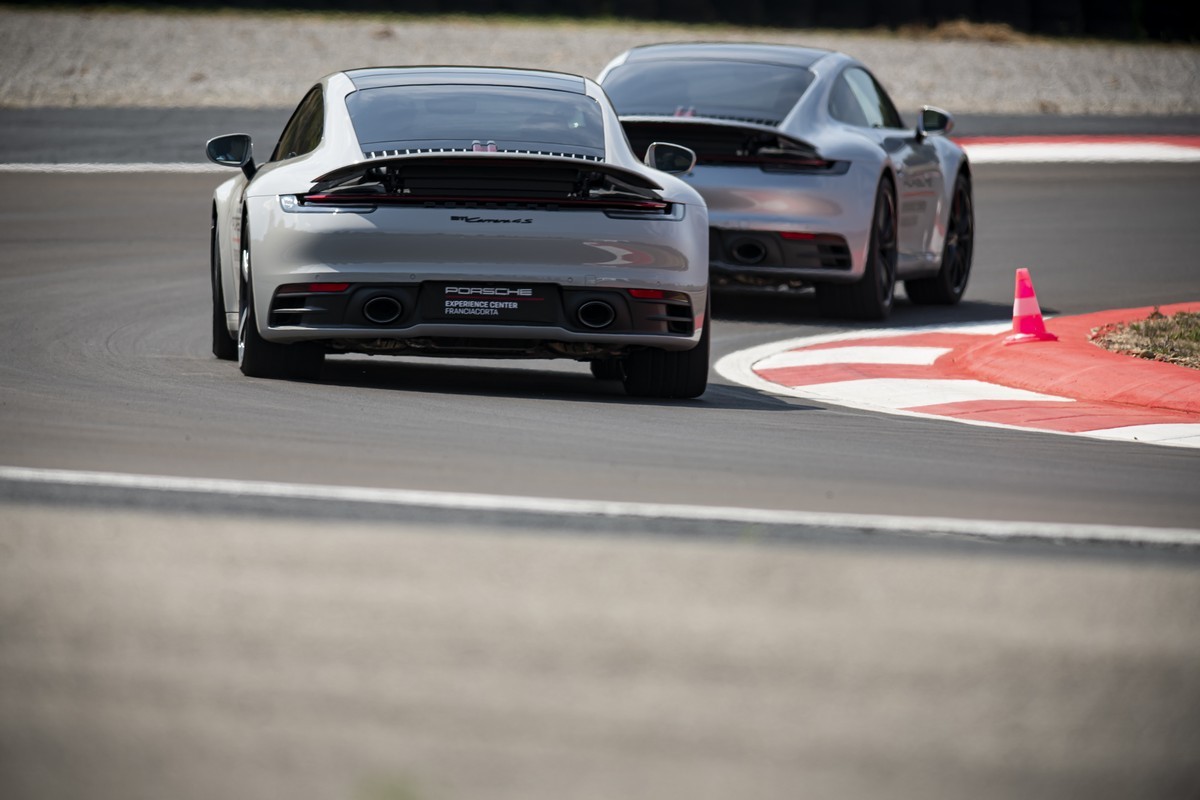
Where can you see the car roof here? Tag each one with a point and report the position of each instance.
(787, 55)
(376, 77)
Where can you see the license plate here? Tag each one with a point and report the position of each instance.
(489, 302)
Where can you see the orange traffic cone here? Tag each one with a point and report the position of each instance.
(1027, 316)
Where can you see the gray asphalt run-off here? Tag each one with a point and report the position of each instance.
(152, 60)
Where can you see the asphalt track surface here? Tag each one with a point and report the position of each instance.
(56, 135)
(176, 644)
(113, 373)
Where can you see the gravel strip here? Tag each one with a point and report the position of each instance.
(146, 60)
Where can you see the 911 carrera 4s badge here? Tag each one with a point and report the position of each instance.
(464, 302)
(495, 220)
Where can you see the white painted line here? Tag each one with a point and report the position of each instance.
(896, 394)
(913, 356)
(982, 153)
(1179, 435)
(108, 169)
(1080, 153)
(985, 529)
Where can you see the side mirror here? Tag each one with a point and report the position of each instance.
(232, 150)
(933, 122)
(673, 158)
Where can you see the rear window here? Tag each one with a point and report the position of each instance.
(725, 89)
(455, 117)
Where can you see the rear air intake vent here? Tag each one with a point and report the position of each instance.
(507, 181)
(764, 250)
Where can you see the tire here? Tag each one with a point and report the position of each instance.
(947, 287)
(669, 373)
(224, 346)
(608, 369)
(871, 297)
(259, 358)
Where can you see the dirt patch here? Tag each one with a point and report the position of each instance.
(961, 30)
(1174, 339)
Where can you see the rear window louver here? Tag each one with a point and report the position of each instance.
(421, 151)
(717, 144)
(488, 182)
(753, 121)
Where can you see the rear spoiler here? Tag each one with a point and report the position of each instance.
(485, 160)
(717, 122)
(723, 141)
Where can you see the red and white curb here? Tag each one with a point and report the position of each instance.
(909, 372)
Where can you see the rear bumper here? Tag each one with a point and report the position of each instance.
(409, 255)
(751, 207)
(750, 256)
(387, 315)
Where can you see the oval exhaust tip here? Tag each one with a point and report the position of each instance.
(748, 251)
(596, 314)
(382, 310)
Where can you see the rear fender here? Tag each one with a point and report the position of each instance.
(953, 163)
(227, 214)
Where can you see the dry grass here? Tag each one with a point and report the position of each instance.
(1174, 339)
(961, 30)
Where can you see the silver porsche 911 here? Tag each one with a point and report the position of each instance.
(454, 211)
(810, 176)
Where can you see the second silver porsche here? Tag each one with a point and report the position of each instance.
(810, 175)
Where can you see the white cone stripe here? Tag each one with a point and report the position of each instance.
(917, 356)
(900, 394)
(1026, 307)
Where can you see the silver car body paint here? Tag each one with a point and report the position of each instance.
(746, 198)
(414, 244)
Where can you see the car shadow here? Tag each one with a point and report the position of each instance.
(473, 379)
(799, 307)
(470, 377)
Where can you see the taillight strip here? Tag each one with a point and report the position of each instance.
(365, 199)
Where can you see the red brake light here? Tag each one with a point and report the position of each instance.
(803, 237)
(328, 287)
(648, 294)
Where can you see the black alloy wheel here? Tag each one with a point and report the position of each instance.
(259, 358)
(608, 369)
(676, 374)
(948, 286)
(871, 297)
